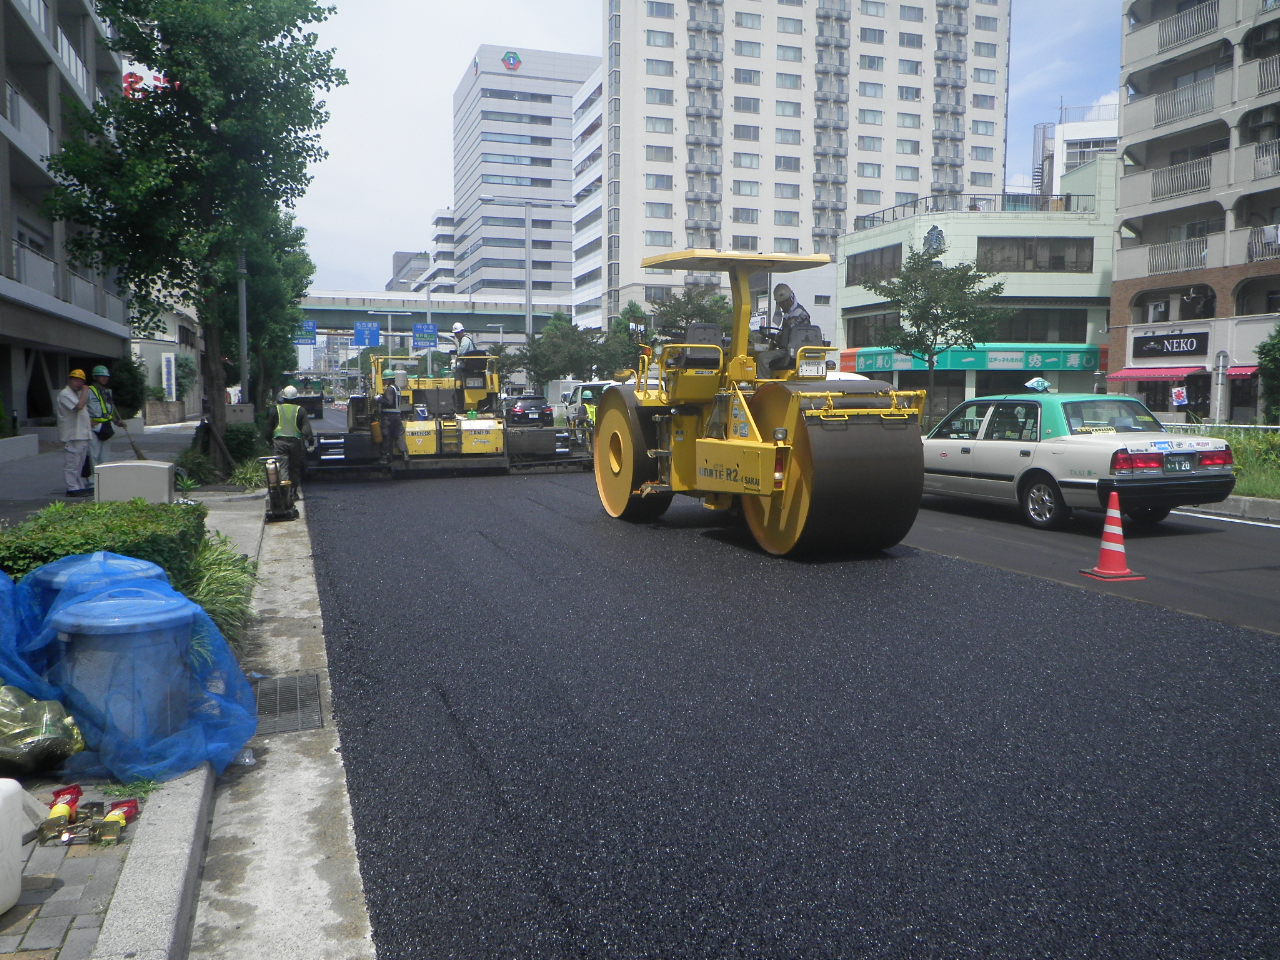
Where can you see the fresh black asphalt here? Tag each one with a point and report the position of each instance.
(571, 737)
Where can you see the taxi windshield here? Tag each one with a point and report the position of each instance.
(1109, 415)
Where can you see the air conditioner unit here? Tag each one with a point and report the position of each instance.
(1158, 311)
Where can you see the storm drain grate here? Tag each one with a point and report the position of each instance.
(287, 704)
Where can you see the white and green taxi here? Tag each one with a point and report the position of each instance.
(1052, 452)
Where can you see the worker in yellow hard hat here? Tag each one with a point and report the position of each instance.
(73, 432)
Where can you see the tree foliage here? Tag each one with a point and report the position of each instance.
(671, 318)
(562, 349)
(164, 189)
(128, 384)
(1269, 371)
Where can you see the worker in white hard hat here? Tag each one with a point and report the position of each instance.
(466, 347)
(289, 428)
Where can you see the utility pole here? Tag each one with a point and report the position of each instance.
(242, 272)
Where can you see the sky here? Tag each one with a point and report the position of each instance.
(390, 132)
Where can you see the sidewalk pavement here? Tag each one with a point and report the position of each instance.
(261, 860)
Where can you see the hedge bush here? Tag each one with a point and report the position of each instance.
(244, 442)
(167, 534)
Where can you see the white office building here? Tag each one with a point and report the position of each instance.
(588, 198)
(513, 176)
(1080, 135)
(769, 125)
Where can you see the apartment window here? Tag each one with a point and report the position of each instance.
(745, 215)
(868, 89)
(868, 169)
(660, 68)
(913, 40)
(871, 35)
(746, 188)
(658, 211)
(791, 3)
(789, 164)
(658, 154)
(910, 93)
(1035, 254)
(751, 77)
(654, 8)
(659, 125)
(909, 146)
(909, 121)
(657, 238)
(981, 75)
(657, 294)
(788, 81)
(747, 161)
(914, 14)
(746, 104)
(790, 25)
(983, 49)
(867, 62)
(786, 218)
(984, 127)
(787, 108)
(982, 153)
(746, 48)
(871, 117)
(912, 68)
(657, 181)
(742, 131)
(986, 23)
(984, 101)
(876, 264)
(906, 173)
(737, 242)
(787, 135)
(660, 96)
(786, 245)
(786, 191)
(872, 8)
(659, 38)
(901, 198)
(981, 179)
(749, 20)
(868, 196)
(790, 54)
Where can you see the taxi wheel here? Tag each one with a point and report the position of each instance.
(1042, 504)
(1147, 516)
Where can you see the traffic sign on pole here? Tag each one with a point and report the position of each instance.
(306, 334)
(367, 333)
(425, 335)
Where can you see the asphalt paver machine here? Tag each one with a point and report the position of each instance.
(747, 421)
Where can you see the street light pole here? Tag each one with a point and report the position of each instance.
(390, 330)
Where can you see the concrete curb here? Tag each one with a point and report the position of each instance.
(151, 911)
(1241, 508)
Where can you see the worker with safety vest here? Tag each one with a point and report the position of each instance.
(103, 416)
(290, 429)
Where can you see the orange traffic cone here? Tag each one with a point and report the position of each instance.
(1112, 564)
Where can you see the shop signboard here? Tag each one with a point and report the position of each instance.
(1171, 345)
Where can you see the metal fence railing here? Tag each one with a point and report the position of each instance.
(1185, 26)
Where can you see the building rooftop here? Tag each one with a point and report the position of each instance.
(980, 203)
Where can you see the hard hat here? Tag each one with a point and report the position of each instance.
(101, 371)
(78, 374)
(289, 392)
(459, 328)
(388, 374)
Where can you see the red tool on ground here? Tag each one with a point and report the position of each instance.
(1112, 564)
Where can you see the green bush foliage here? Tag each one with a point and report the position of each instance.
(197, 466)
(167, 534)
(1257, 456)
(244, 442)
(128, 384)
(221, 580)
(249, 474)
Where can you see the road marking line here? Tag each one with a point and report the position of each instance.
(1213, 516)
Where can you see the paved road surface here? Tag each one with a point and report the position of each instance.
(571, 737)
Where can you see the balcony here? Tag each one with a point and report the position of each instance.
(837, 205)
(700, 224)
(1258, 77)
(831, 123)
(1261, 243)
(707, 26)
(702, 279)
(835, 68)
(830, 96)
(693, 168)
(71, 60)
(829, 11)
(703, 140)
(1177, 256)
(84, 294)
(32, 133)
(1260, 160)
(829, 150)
(701, 196)
(824, 40)
(1153, 39)
(712, 112)
(947, 161)
(701, 53)
(1169, 183)
(836, 178)
(951, 26)
(949, 109)
(1173, 108)
(35, 270)
(704, 83)
(945, 55)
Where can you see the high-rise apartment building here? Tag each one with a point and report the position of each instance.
(54, 314)
(1197, 274)
(588, 198)
(767, 125)
(512, 154)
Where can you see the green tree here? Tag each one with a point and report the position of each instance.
(184, 375)
(939, 307)
(562, 349)
(167, 186)
(618, 349)
(129, 384)
(671, 318)
(1269, 374)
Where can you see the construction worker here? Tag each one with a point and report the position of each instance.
(103, 416)
(290, 429)
(389, 417)
(73, 432)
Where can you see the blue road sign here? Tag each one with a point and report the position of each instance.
(368, 333)
(424, 334)
(307, 334)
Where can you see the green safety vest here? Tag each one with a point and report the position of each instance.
(287, 421)
(105, 405)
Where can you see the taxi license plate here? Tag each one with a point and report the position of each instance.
(1177, 463)
(813, 368)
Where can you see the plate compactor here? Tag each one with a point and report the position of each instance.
(815, 465)
(282, 496)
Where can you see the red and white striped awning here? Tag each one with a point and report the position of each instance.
(1155, 373)
(1240, 373)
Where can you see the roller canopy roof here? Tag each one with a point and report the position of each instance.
(711, 261)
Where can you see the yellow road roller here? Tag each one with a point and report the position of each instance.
(751, 420)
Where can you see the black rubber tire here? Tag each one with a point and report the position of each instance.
(1041, 501)
(1147, 516)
